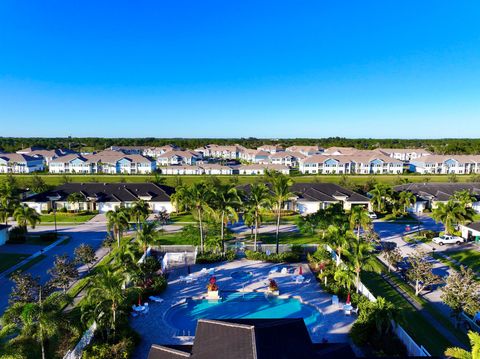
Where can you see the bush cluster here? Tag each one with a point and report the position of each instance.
(287, 257)
(213, 257)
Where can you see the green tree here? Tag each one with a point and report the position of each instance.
(464, 197)
(37, 184)
(139, 212)
(380, 194)
(117, 222)
(25, 216)
(257, 203)
(85, 255)
(462, 292)
(361, 257)
(451, 214)
(225, 203)
(460, 353)
(345, 276)
(104, 299)
(147, 234)
(421, 272)
(280, 186)
(359, 219)
(406, 199)
(199, 198)
(338, 240)
(63, 272)
(75, 198)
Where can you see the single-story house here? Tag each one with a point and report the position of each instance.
(471, 231)
(3, 234)
(310, 197)
(104, 197)
(279, 338)
(430, 194)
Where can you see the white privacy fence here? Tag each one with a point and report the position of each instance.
(413, 349)
(87, 337)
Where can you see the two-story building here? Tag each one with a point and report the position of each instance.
(177, 157)
(20, 163)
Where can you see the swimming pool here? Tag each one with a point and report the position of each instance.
(183, 317)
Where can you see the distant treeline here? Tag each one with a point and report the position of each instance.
(440, 146)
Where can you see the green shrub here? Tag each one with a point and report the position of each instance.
(123, 349)
(49, 236)
(17, 235)
(288, 257)
(213, 257)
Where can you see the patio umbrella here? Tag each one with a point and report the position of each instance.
(300, 270)
(139, 300)
(348, 299)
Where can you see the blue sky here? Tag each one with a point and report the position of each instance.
(240, 68)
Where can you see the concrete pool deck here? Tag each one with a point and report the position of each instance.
(153, 330)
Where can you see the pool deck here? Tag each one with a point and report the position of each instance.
(153, 330)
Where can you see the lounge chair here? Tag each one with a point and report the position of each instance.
(155, 299)
(146, 310)
(284, 270)
(308, 280)
(273, 270)
(334, 300)
(211, 271)
(299, 279)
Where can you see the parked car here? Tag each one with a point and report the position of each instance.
(448, 239)
(372, 215)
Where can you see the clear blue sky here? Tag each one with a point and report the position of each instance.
(240, 68)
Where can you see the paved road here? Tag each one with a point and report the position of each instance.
(90, 233)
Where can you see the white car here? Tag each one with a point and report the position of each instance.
(372, 215)
(448, 239)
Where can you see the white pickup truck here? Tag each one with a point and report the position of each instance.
(448, 239)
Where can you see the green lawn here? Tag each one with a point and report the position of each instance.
(66, 218)
(174, 238)
(8, 260)
(469, 258)
(412, 321)
(182, 218)
(55, 180)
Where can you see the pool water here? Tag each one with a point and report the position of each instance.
(236, 305)
(241, 275)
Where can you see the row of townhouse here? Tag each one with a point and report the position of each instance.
(216, 169)
(371, 163)
(20, 163)
(108, 162)
(446, 164)
(46, 155)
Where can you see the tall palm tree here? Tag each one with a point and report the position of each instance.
(257, 202)
(359, 219)
(281, 193)
(406, 199)
(384, 312)
(147, 234)
(225, 202)
(8, 200)
(180, 199)
(139, 212)
(125, 256)
(361, 257)
(25, 215)
(465, 197)
(105, 296)
(451, 214)
(198, 199)
(338, 240)
(41, 320)
(380, 194)
(460, 353)
(117, 222)
(75, 197)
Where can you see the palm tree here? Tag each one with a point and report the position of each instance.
(360, 256)
(451, 214)
(465, 197)
(257, 202)
(384, 312)
(345, 276)
(117, 221)
(406, 199)
(225, 202)
(359, 219)
(105, 297)
(139, 212)
(338, 240)
(25, 215)
(380, 193)
(281, 193)
(460, 353)
(180, 199)
(125, 256)
(42, 319)
(75, 197)
(147, 234)
(198, 199)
